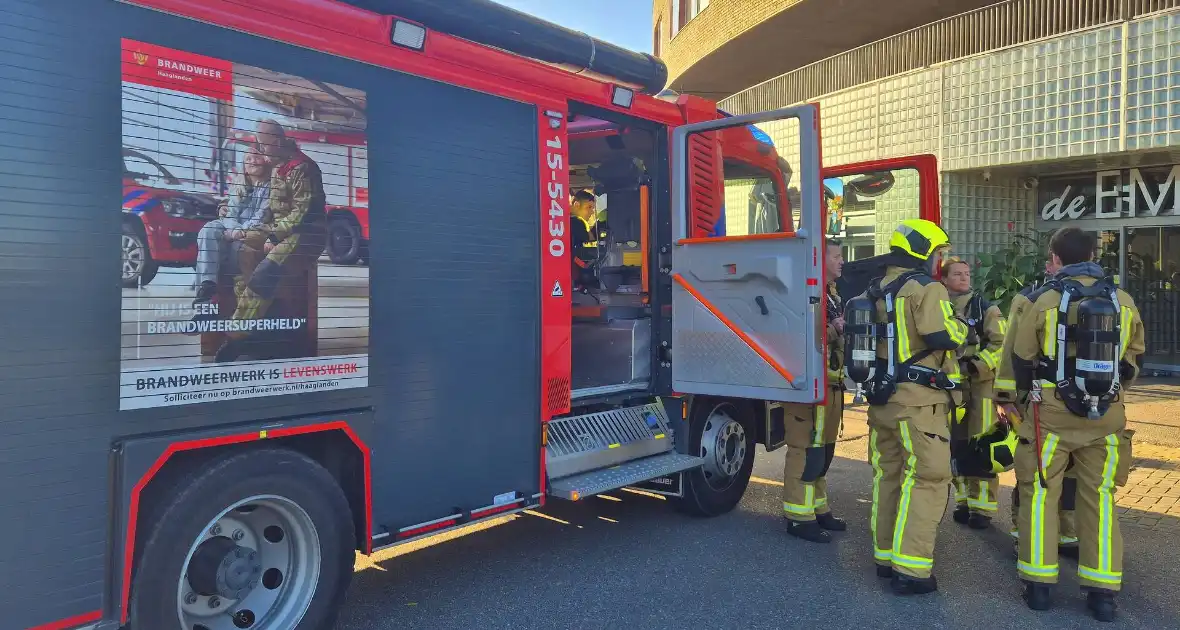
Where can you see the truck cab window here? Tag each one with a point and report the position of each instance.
(753, 201)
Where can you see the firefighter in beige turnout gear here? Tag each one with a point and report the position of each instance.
(911, 391)
(812, 431)
(1005, 392)
(1052, 379)
(975, 497)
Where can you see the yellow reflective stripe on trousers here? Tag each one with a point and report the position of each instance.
(1106, 516)
(954, 328)
(1037, 566)
(808, 506)
(960, 490)
(821, 502)
(817, 438)
(881, 555)
(989, 416)
(1049, 343)
(903, 505)
(1125, 320)
(984, 501)
(1005, 384)
(903, 338)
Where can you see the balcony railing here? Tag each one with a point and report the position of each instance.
(994, 27)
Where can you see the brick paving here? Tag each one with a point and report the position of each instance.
(1151, 497)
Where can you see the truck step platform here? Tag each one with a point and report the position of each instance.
(600, 440)
(628, 474)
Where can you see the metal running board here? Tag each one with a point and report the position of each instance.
(628, 474)
(600, 440)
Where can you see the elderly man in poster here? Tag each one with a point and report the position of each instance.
(295, 235)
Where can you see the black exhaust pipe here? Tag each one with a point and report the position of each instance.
(492, 24)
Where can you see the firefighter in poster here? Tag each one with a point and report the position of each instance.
(294, 237)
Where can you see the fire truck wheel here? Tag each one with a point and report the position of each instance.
(722, 433)
(262, 539)
(138, 266)
(344, 241)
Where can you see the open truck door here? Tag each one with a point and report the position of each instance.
(747, 313)
(867, 198)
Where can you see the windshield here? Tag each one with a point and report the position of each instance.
(140, 167)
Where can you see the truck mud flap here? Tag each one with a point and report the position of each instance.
(667, 485)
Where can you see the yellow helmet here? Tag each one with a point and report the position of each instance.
(993, 452)
(1001, 449)
(919, 238)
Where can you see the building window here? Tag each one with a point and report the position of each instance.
(685, 10)
(655, 38)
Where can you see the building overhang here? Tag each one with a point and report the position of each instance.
(803, 33)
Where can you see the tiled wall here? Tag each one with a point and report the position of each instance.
(1103, 90)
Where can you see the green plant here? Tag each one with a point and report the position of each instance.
(1001, 274)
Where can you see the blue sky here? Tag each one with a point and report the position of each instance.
(626, 23)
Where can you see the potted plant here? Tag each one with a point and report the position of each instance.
(1001, 274)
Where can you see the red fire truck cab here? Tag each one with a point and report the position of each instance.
(218, 463)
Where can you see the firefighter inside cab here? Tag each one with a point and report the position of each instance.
(1075, 345)
(901, 343)
(976, 485)
(585, 232)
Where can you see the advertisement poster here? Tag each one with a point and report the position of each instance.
(245, 231)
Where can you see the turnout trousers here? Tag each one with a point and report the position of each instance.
(977, 493)
(909, 450)
(1100, 464)
(811, 445)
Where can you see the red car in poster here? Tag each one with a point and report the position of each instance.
(160, 225)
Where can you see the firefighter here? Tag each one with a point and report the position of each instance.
(812, 430)
(1075, 346)
(294, 236)
(910, 387)
(1005, 391)
(584, 238)
(975, 497)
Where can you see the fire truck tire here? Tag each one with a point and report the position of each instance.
(722, 432)
(344, 241)
(260, 539)
(138, 267)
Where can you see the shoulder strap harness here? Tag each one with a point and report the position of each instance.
(1059, 369)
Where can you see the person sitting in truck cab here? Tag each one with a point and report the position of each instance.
(584, 234)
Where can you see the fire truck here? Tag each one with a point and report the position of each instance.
(156, 480)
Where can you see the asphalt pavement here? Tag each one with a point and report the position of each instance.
(628, 560)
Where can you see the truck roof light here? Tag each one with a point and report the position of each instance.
(622, 97)
(408, 35)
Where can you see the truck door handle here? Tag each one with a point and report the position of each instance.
(762, 305)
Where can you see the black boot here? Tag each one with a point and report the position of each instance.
(204, 306)
(909, 585)
(884, 572)
(1038, 596)
(1068, 551)
(829, 522)
(979, 521)
(962, 514)
(206, 292)
(1101, 604)
(230, 350)
(808, 530)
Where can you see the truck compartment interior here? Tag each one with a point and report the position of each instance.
(611, 336)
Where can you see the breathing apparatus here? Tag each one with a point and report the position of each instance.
(914, 245)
